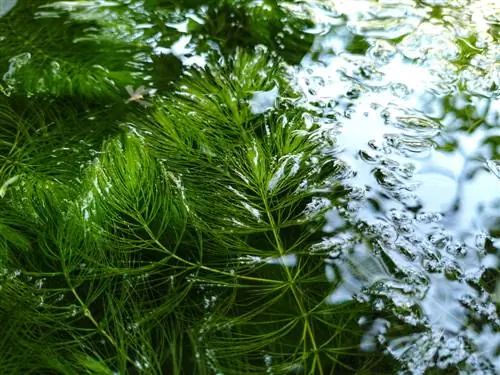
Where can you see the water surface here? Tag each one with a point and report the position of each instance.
(406, 97)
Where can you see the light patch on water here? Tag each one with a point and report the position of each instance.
(414, 120)
(87, 205)
(288, 260)
(333, 246)
(254, 211)
(437, 191)
(442, 303)
(487, 341)
(323, 18)
(333, 221)
(268, 361)
(16, 63)
(6, 184)
(479, 203)
(263, 101)
(385, 20)
(184, 51)
(293, 168)
(238, 193)
(182, 26)
(177, 179)
(256, 155)
(6, 6)
(329, 273)
(316, 206)
(358, 270)
(415, 78)
(243, 177)
(248, 259)
(374, 335)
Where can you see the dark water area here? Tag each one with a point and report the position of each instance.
(249, 187)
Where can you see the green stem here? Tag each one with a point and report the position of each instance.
(89, 316)
(304, 314)
(200, 266)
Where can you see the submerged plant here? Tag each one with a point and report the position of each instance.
(210, 229)
(47, 51)
(187, 245)
(268, 308)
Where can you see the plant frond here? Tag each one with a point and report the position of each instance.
(45, 65)
(263, 174)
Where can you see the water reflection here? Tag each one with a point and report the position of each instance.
(415, 117)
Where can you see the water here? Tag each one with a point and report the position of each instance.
(415, 126)
(406, 97)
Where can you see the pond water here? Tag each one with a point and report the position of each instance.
(405, 96)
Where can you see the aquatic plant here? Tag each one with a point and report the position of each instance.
(147, 268)
(211, 227)
(36, 58)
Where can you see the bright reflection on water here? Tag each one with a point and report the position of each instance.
(415, 111)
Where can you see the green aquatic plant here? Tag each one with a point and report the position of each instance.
(246, 23)
(269, 172)
(37, 59)
(235, 24)
(172, 200)
(50, 140)
(62, 47)
(182, 246)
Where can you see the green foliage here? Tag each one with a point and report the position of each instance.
(182, 247)
(49, 141)
(63, 48)
(46, 51)
(178, 239)
(245, 23)
(182, 233)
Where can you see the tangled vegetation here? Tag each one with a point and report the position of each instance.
(173, 240)
(177, 231)
(181, 246)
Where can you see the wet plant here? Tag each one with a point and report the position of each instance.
(180, 206)
(183, 245)
(36, 58)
